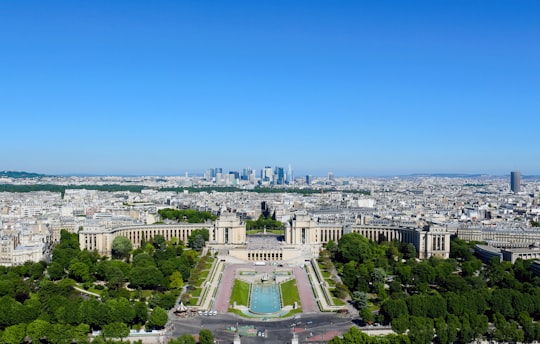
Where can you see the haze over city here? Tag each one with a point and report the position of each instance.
(357, 88)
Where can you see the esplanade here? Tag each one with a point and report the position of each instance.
(303, 237)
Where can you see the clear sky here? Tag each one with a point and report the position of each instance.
(354, 87)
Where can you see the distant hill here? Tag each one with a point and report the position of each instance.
(20, 174)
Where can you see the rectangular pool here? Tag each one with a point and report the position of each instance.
(265, 298)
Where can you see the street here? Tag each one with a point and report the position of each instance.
(276, 331)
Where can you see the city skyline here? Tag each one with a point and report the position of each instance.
(359, 89)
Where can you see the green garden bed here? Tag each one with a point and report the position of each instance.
(289, 293)
(240, 293)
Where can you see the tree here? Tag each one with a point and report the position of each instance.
(166, 300)
(400, 324)
(527, 325)
(159, 242)
(79, 271)
(206, 336)
(115, 277)
(183, 339)
(121, 247)
(80, 333)
(38, 329)
(55, 270)
(121, 310)
(354, 247)
(60, 333)
(460, 250)
(408, 250)
(143, 259)
(378, 275)
(167, 267)
(367, 315)
(341, 290)
(392, 309)
(95, 313)
(158, 317)
(7, 288)
(359, 299)
(176, 281)
(198, 239)
(501, 301)
(453, 325)
(421, 330)
(36, 270)
(146, 277)
(14, 334)
(116, 330)
(354, 335)
(332, 248)
(141, 313)
(441, 330)
(10, 313)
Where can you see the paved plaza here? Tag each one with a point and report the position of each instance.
(312, 325)
(223, 296)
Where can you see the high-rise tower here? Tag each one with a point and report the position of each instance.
(515, 181)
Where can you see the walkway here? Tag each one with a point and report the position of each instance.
(321, 291)
(223, 295)
(309, 304)
(86, 292)
(211, 285)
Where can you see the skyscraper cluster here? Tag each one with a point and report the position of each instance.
(268, 175)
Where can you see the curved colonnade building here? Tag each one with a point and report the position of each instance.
(303, 237)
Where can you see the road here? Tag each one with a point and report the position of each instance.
(278, 331)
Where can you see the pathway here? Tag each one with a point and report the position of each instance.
(223, 296)
(309, 305)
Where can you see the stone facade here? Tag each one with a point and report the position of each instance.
(303, 236)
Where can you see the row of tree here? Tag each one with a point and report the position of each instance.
(442, 300)
(264, 222)
(48, 303)
(188, 215)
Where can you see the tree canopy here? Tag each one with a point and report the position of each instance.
(437, 300)
(188, 215)
(121, 247)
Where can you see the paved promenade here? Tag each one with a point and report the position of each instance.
(223, 296)
(309, 305)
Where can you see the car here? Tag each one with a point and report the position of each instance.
(309, 322)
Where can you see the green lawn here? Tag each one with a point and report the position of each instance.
(192, 301)
(331, 282)
(204, 274)
(338, 302)
(196, 292)
(289, 293)
(292, 312)
(240, 293)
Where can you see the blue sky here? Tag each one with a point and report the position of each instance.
(354, 87)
